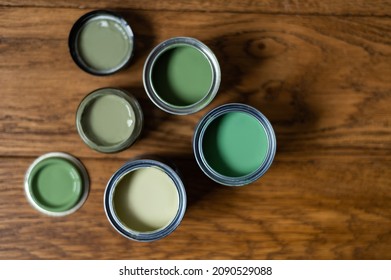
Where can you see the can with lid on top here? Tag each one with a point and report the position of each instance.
(56, 184)
(101, 42)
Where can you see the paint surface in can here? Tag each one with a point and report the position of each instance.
(182, 75)
(55, 184)
(146, 199)
(108, 120)
(235, 144)
(103, 44)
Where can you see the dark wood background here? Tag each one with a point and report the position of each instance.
(319, 70)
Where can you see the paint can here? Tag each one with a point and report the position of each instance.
(145, 200)
(181, 75)
(234, 144)
(101, 42)
(56, 184)
(109, 120)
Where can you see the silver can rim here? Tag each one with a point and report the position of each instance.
(172, 43)
(109, 207)
(83, 173)
(198, 141)
(132, 102)
(74, 34)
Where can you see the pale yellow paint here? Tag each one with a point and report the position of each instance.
(146, 199)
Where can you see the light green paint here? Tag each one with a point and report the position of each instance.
(146, 199)
(182, 76)
(103, 44)
(108, 120)
(235, 144)
(55, 184)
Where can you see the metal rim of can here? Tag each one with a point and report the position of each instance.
(169, 44)
(74, 34)
(132, 102)
(83, 172)
(109, 207)
(198, 141)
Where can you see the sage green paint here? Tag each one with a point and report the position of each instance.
(182, 75)
(235, 144)
(103, 44)
(108, 120)
(55, 184)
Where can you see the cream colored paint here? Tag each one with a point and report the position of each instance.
(146, 199)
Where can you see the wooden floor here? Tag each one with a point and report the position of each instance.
(319, 70)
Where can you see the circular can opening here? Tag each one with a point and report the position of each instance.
(56, 184)
(145, 200)
(101, 43)
(181, 75)
(234, 144)
(109, 120)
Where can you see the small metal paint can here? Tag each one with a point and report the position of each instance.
(101, 42)
(109, 120)
(234, 144)
(181, 75)
(56, 184)
(145, 200)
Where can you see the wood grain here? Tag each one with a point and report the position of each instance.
(296, 7)
(316, 209)
(323, 81)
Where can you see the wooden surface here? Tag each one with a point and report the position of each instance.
(320, 71)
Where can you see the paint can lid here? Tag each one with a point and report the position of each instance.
(101, 42)
(56, 184)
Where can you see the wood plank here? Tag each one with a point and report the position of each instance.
(319, 209)
(322, 81)
(292, 7)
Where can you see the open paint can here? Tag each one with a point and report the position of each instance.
(56, 184)
(181, 75)
(145, 200)
(101, 42)
(109, 120)
(234, 144)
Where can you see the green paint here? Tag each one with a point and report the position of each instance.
(103, 44)
(182, 75)
(235, 144)
(108, 120)
(55, 184)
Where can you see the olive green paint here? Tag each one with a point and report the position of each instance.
(182, 75)
(55, 184)
(235, 144)
(108, 120)
(103, 44)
